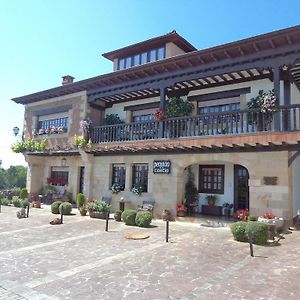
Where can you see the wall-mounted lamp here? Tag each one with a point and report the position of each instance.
(63, 162)
(16, 130)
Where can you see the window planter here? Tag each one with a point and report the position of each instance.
(97, 214)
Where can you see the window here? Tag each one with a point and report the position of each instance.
(140, 176)
(143, 118)
(59, 176)
(53, 123)
(118, 175)
(211, 179)
(219, 108)
(141, 58)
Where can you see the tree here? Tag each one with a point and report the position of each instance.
(14, 176)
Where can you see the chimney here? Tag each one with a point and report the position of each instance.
(68, 79)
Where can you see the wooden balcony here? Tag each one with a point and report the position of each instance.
(285, 119)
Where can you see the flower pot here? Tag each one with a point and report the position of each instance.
(82, 211)
(211, 202)
(97, 214)
(167, 216)
(36, 204)
(181, 213)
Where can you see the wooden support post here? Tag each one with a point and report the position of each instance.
(162, 103)
(167, 231)
(276, 80)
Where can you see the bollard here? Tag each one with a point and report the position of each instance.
(61, 216)
(107, 218)
(27, 210)
(167, 231)
(250, 243)
(0, 206)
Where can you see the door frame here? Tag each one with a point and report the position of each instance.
(235, 179)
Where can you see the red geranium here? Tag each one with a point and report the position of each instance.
(268, 215)
(180, 207)
(158, 115)
(242, 214)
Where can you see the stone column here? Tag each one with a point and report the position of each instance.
(88, 161)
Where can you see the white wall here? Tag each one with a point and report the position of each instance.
(296, 185)
(228, 195)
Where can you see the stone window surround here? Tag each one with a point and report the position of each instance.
(122, 176)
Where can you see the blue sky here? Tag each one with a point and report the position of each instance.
(46, 39)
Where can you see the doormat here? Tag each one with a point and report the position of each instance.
(137, 236)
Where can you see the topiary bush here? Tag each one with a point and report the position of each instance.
(128, 216)
(4, 201)
(23, 193)
(16, 202)
(55, 207)
(25, 203)
(259, 232)
(143, 218)
(238, 230)
(117, 215)
(80, 200)
(65, 208)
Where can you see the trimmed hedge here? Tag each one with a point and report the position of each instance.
(238, 230)
(4, 201)
(80, 200)
(259, 232)
(25, 203)
(23, 193)
(143, 218)
(128, 216)
(65, 208)
(55, 207)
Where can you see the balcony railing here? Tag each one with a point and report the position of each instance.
(286, 118)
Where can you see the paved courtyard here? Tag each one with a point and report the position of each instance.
(79, 260)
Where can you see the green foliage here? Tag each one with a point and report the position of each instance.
(143, 218)
(30, 146)
(65, 208)
(98, 206)
(259, 232)
(23, 193)
(252, 218)
(80, 200)
(118, 213)
(238, 230)
(25, 203)
(55, 207)
(178, 107)
(68, 196)
(4, 201)
(90, 144)
(191, 191)
(128, 216)
(13, 177)
(16, 202)
(79, 141)
(112, 119)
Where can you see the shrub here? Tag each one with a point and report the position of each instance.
(23, 193)
(128, 216)
(99, 206)
(17, 202)
(55, 207)
(80, 200)
(238, 230)
(65, 208)
(259, 232)
(118, 214)
(251, 218)
(15, 191)
(4, 201)
(25, 203)
(143, 218)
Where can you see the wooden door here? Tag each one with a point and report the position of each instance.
(81, 179)
(241, 188)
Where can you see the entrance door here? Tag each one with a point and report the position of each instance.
(241, 188)
(81, 179)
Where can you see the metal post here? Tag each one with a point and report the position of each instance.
(251, 243)
(0, 205)
(61, 216)
(106, 223)
(167, 231)
(28, 210)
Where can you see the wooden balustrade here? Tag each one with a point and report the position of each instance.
(286, 118)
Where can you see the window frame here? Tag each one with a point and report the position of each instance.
(134, 176)
(121, 176)
(201, 187)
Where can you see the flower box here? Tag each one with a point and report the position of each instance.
(97, 214)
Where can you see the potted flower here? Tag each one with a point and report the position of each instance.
(116, 188)
(98, 209)
(181, 210)
(158, 115)
(270, 218)
(83, 210)
(137, 189)
(211, 200)
(227, 209)
(242, 215)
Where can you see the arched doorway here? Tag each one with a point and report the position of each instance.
(241, 188)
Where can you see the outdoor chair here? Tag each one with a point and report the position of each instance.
(147, 205)
(60, 195)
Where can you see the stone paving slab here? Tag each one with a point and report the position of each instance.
(79, 260)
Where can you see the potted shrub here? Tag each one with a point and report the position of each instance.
(117, 215)
(181, 210)
(80, 200)
(167, 215)
(227, 209)
(211, 200)
(98, 209)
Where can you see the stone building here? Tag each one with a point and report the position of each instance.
(248, 157)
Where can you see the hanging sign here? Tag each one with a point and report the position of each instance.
(161, 167)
